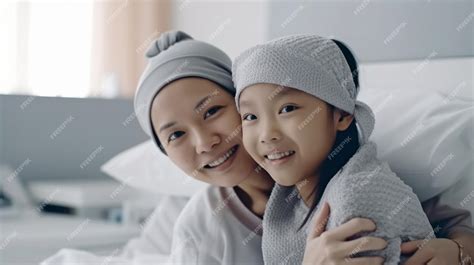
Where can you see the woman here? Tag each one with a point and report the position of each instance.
(185, 102)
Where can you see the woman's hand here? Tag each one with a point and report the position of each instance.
(437, 251)
(330, 247)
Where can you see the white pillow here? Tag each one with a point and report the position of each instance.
(145, 167)
(425, 136)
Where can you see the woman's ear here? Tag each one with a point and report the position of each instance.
(342, 119)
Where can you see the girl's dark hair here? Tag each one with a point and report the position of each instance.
(346, 143)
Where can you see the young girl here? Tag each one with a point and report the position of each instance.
(297, 100)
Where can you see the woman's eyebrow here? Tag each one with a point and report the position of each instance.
(202, 102)
(166, 126)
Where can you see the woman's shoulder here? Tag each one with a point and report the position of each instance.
(202, 204)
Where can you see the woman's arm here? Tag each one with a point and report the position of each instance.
(448, 223)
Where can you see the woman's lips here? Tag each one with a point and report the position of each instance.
(223, 162)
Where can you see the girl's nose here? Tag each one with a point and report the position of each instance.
(270, 135)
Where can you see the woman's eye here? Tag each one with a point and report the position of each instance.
(288, 108)
(175, 135)
(212, 111)
(249, 117)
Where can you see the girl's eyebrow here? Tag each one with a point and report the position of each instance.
(245, 103)
(276, 93)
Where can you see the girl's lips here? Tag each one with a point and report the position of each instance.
(280, 161)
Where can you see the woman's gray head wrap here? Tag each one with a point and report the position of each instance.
(309, 63)
(175, 55)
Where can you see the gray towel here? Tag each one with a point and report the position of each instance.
(364, 187)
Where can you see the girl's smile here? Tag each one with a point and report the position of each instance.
(276, 157)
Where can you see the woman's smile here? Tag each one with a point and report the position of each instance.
(223, 161)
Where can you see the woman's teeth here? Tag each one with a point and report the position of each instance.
(279, 155)
(222, 159)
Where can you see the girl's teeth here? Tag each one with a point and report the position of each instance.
(276, 156)
(222, 159)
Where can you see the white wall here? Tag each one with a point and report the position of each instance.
(382, 30)
(230, 25)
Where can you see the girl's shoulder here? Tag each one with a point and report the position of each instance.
(365, 177)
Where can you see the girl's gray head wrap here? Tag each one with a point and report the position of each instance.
(309, 63)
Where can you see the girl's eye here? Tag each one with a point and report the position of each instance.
(288, 108)
(212, 111)
(249, 117)
(175, 135)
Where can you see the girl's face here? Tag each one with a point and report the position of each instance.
(288, 132)
(198, 125)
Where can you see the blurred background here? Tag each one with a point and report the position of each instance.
(96, 48)
(69, 70)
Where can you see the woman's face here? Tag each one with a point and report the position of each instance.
(198, 125)
(287, 131)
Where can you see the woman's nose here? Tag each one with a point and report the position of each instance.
(206, 142)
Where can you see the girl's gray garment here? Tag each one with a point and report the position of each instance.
(364, 187)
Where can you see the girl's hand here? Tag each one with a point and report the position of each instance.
(330, 247)
(437, 251)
